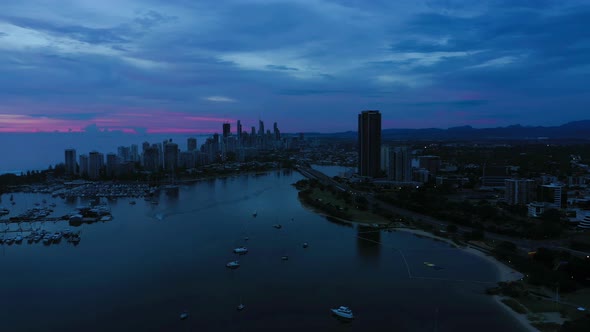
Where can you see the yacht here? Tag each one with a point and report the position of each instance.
(255, 214)
(47, 239)
(56, 236)
(37, 238)
(241, 307)
(343, 312)
(233, 264)
(9, 240)
(305, 244)
(18, 239)
(277, 226)
(285, 258)
(4, 211)
(241, 250)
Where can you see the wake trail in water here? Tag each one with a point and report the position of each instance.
(164, 214)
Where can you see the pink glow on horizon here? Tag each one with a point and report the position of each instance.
(130, 121)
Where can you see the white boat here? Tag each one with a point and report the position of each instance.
(241, 307)
(305, 244)
(233, 264)
(241, 250)
(277, 226)
(285, 258)
(18, 239)
(343, 312)
(4, 211)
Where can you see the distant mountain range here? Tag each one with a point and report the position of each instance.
(577, 130)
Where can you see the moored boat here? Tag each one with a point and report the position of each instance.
(233, 264)
(343, 312)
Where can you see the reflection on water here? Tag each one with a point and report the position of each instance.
(368, 242)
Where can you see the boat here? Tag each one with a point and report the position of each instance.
(285, 258)
(132, 203)
(233, 264)
(343, 312)
(305, 244)
(184, 315)
(241, 307)
(47, 239)
(246, 238)
(18, 239)
(255, 214)
(9, 240)
(241, 250)
(37, 238)
(66, 232)
(4, 211)
(277, 226)
(56, 236)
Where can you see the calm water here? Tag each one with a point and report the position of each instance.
(139, 271)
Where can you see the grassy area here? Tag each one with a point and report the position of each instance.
(514, 305)
(328, 197)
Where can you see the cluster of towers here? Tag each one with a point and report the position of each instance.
(167, 156)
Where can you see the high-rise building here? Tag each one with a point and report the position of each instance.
(191, 144)
(226, 129)
(171, 157)
(95, 164)
(151, 158)
(124, 153)
(553, 194)
(112, 164)
(239, 129)
(70, 161)
(519, 191)
(277, 132)
(260, 128)
(187, 159)
(83, 165)
(134, 153)
(369, 143)
(398, 163)
(253, 131)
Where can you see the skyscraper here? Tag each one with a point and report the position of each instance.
(369, 143)
(260, 128)
(171, 157)
(239, 129)
(83, 165)
(112, 164)
(226, 129)
(191, 144)
(276, 132)
(70, 161)
(95, 163)
(519, 191)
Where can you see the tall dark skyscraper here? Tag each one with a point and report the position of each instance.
(260, 128)
(277, 132)
(239, 129)
(70, 161)
(369, 143)
(226, 129)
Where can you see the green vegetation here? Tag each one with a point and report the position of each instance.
(337, 203)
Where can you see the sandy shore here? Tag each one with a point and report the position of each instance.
(504, 273)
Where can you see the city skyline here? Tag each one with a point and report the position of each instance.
(165, 67)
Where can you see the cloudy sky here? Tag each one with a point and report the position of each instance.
(186, 66)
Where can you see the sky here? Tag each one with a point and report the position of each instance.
(186, 66)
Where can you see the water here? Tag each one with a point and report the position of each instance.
(139, 271)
